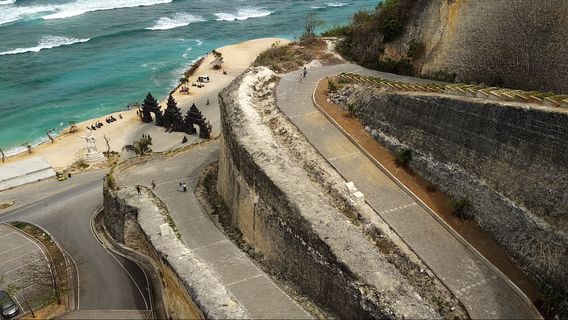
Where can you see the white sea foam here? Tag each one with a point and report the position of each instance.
(336, 4)
(243, 14)
(83, 6)
(178, 20)
(4, 2)
(46, 42)
(69, 9)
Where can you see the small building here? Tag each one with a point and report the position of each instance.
(217, 63)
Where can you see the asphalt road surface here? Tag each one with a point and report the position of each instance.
(64, 209)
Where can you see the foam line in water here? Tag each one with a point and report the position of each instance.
(83, 6)
(336, 4)
(71, 9)
(178, 20)
(243, 14)
(46, 42)
(4, 2)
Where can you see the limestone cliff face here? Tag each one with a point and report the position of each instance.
(509, 160)
(513, 43)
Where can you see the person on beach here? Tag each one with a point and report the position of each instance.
(184, 187)
(153, 184)
(305, 72)
(180, 187)
(138, 189)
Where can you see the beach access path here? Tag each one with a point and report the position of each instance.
(244, 280)
(485, 292)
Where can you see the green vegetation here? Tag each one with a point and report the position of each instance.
(403, 157)
(331, 86)
(392, 17)
(338, 31)
(416, 49)
(351, 109)
(462, 208)
(402, 66)
(440, 75)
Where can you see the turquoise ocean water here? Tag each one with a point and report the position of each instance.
(71, 60)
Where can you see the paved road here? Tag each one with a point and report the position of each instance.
(483, 292)
(64, 209)
(245, 281)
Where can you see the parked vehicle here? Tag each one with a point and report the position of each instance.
(7, 304)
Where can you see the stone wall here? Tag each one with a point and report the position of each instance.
(292, 222)
(510, 161)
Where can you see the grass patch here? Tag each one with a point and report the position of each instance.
(461, 208)
(403, 157)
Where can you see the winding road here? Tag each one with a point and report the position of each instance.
(64, 209)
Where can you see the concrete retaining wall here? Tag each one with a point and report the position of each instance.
(25, 171)
(510, 161)
(191, 290)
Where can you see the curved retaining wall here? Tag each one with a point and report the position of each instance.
(287, 218)
(510, 161)
(191, 290)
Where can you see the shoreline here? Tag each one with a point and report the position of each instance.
(67, 147)
(193, 67)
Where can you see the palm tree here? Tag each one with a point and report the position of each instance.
(140, 147)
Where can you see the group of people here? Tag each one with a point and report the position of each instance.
(98, 124)
(303, 74)
(182, 187)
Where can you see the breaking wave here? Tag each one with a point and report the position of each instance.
(70, 9)
(46, 42)
(178, 20)
(243, 14)
(2, 2)
(336, 4)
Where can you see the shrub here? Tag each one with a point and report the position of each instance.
(440, 75)
(461, 208)
(331, 86)
(392, 16)
(403, 157)
(402, 67)
(81, 163)
(351, 109)
(338, 31)
(416, 49)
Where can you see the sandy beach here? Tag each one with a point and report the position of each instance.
(67, 147)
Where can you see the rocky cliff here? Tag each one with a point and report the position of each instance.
(513, 43)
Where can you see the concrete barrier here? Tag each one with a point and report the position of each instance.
(23, 172)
